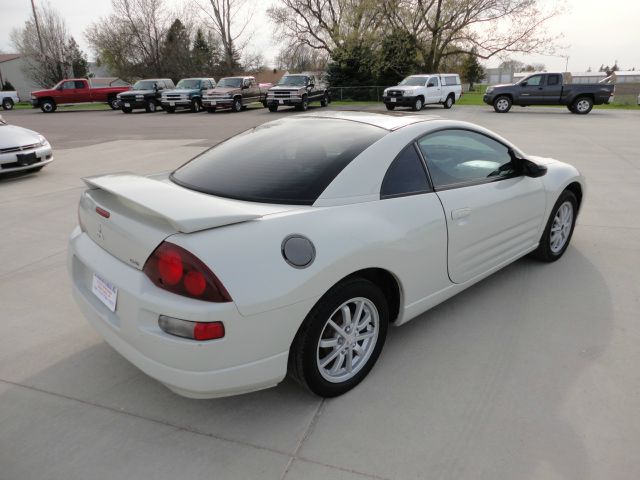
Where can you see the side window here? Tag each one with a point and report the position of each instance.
(534, 81)
(70, 85)
(405, 176)
(80, 84)
(462, 156)
(553, 80)
(433, 82)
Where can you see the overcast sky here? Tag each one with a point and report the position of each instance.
(595, 31)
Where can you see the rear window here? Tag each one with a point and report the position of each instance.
(288, 161)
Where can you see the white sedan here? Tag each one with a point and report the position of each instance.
(22, 149)
(291, 247)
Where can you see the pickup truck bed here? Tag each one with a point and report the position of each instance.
(549, 89)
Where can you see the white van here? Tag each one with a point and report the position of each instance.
(416, 91)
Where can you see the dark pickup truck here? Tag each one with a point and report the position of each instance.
(549, 89)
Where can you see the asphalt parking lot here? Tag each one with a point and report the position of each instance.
(531, 374)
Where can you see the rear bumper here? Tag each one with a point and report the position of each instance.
(403, 101)
(251, 356)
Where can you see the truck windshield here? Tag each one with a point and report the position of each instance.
(288, 161)
(294, 80)
(188, 83)
(232, 82)
(144, 85)
(414, 81)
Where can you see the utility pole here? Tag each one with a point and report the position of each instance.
(35, 19)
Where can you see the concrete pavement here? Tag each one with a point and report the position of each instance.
(531, 374)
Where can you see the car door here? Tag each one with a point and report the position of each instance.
(434, 90)
(67, 92)
(82, 93)
(532, 90)
(493, 211)
(552, 90)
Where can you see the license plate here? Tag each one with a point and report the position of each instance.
(25, 159)
(281, 101)
(105, 291)
(127, 105)
(393, 100)
(213, 103)
(172, 104)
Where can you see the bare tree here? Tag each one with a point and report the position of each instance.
(490, 27)
(130, 40)
(49, 65)
(300, 57)
(229, 20)
(327, 24)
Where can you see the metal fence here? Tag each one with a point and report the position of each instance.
(362, 93)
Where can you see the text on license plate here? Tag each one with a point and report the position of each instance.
(127, 105)
(106, 292)
(393, 100)
(172, 104)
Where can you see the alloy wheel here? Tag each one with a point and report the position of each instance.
(561, 227)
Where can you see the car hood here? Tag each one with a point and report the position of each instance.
(138, 92)
(43, 91)
(406, 88)
(180, 90)
(13, 136)
(289, 88)
(223, 90)
(501, 85)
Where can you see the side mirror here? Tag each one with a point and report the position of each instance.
(532, 169)
(311, 85)
(523, 84)
(429, 85)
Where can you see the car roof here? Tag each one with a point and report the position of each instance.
(388, 121)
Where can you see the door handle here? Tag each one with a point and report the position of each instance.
(460, 213)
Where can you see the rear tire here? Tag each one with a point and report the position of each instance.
(361, 340)
(448, 103)
(389, 106)
(7, 104)
(559, 230)
(582, 105)
(48, 106)
(502, 104)
(273, 108)
(151, 106)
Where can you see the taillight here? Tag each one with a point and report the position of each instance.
(173, 268)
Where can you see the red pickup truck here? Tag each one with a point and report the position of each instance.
(75, 90)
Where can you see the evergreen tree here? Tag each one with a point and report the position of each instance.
(7, 86)
(396, 58)
(77, 60)
(472, 70)
(176, 52)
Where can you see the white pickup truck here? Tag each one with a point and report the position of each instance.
(8, 98)
(416, 91)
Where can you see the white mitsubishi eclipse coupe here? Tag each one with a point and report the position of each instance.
(293, 246)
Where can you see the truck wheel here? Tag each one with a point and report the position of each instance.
(211, 109)
(127, 109)
(570, 108)
(7, 104)
(195, 105)
(170, 109)
(325, 100)
(151, 106)
(417, 104)
(502, 104)
(48, 106)
(304, 105)
(237, 105)
(390, 106)
(273, 108)
(448, 103)
(582, 105)
(114, 103)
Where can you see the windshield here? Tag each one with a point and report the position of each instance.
(414, 81)
(189, 83)
(231, 82)
(144, 85)
(279, 162)
(294, 80)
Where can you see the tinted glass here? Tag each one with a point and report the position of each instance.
(451, 80)
(70, 85)
(294, 80)
(459, 156)
(189, 84)
(144, 85)
(553, 80)
(534, 81)
(230, 82)
(80, 84)
(287, 161)
(405, 176)
(434, 82)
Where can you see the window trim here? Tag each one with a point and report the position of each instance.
(471, 183)
(429, 189)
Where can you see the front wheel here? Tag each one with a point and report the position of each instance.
(237, 105)
(211, 109)
(502, 104)
(127, 109)
(448, 103)
(170, 109)
(570, 108)
(48, 106)
(557, 234)
(582, 105)
(325, 100)
(7, 104)
(390, 106)
(273, 108)
(304, 105)
(417, 104)
(341, 338)
(114, 103)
